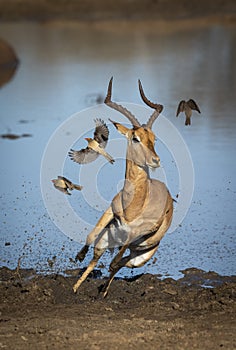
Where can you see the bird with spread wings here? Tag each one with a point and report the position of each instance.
(187, 107)
(96, 146)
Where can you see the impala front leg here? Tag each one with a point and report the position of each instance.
(82, 253)
(99, 249)
(101, 224)
(97, 254)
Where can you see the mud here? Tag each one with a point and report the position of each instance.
(41, 312)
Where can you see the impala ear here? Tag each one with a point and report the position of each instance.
(121, 128)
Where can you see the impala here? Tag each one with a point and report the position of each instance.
(141, 213)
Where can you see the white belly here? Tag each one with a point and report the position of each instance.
(119, 232)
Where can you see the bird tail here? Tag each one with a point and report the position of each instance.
(111, 160)
(77, 187)
(107, 156)
(188, 121)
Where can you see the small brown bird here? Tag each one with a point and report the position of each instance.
(187, 107)
(63, 184)
(95, 146)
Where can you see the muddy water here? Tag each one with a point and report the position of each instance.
(65, 68)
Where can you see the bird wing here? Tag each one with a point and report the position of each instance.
(85, 155)
(68, 182)
(192, 104)
(101, 132)
(180, 108)
(64, 190)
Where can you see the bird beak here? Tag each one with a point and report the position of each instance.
(87, 138)
(112, 121)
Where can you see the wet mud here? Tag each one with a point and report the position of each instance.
(42, 312)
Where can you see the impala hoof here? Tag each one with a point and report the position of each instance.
(75, 289)
(105, 293)
(81, 255)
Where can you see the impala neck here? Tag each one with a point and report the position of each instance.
(135, 190)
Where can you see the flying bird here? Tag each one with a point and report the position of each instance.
(187, 107)
(63, 184)
(95, 146)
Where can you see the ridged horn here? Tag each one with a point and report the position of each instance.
(158, 108)
(133, 120)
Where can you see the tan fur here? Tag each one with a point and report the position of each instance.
(140, 214)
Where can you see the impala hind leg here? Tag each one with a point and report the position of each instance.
(114, 270)
(97, 254)
(134, 259)
(117, 263)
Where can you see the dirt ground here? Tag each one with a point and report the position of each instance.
(42, 312)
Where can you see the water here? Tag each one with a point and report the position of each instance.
(64, 68)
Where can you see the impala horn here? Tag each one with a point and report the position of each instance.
(158, 108)
(133, 120)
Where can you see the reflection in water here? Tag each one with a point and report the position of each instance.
(61, 64)
(94, 99)
(14, 136)
(8, 62)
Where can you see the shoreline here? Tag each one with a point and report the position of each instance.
(92, 10)
(43, 312)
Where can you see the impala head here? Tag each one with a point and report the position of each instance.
(141, 139)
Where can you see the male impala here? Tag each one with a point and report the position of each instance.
(141, 213)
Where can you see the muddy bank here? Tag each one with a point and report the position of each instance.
(42, 312)
(104, 9)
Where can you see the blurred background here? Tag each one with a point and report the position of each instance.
(56, 58)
